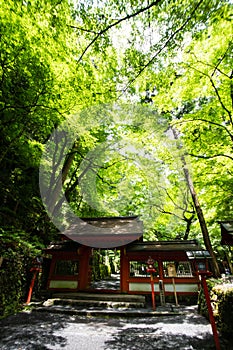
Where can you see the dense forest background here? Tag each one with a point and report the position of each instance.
(150, 86)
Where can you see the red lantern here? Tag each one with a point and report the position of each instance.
(150, 265)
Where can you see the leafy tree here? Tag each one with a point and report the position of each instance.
(30, 99)
(128, 167)
(63, 58)
(41, 84)
(200, 102)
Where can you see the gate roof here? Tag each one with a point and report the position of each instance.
(106, 232)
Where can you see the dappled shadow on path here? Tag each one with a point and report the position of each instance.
(46, 331)
(32, 331)
(164, 333)
(151, 339)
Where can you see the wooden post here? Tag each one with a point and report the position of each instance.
(152, 290)
(229, 260)
(162, 293)
(175, 294)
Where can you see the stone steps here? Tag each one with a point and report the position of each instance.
(100, 296)
(91, 300)
(93, 303)
(101, 305)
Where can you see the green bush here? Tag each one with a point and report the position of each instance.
(104, 271)
(221, 295)
(15, 273)
(202, 306)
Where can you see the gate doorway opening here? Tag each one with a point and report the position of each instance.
(105, 270)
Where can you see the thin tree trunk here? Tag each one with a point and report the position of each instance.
(199, 211)
(188, 225)
(54, 193)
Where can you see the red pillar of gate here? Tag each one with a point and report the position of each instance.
(124, 271)
(210, 310)
(85, 253)
(35, 272)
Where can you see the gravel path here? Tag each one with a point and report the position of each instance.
(47, 331)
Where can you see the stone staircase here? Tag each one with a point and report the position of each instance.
(101, 305)
(96, 301)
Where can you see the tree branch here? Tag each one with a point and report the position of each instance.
(205, 121)
(163, 46)
(210, 157)
(29, 107)
(84, 30)
(175, 204)
(211, 66)
(231, 88)
(161, 210)
(102, 179)
(75, 180)
(154, 3)
(220, 61)
(216, 91)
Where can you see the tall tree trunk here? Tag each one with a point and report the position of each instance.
(199, 211)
